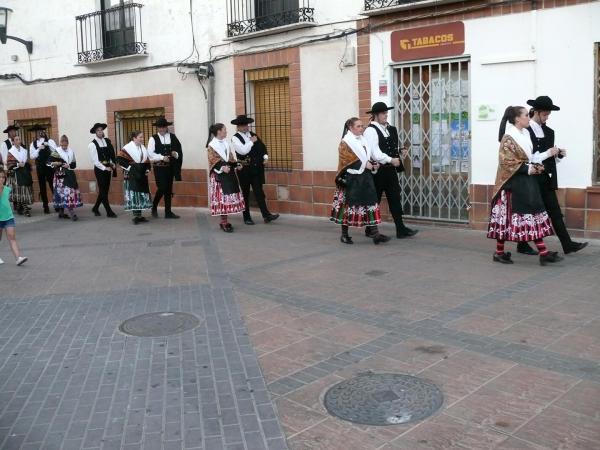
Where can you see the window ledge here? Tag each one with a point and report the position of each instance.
(270, 31)
(407, 6)
(116, 59)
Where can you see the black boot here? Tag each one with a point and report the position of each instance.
(525, 248)
(504, 258)
(551, 257)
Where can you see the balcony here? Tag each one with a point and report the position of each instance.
(249, 18)
(110, 33)
(377, 7)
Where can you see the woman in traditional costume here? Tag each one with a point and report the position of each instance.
(19, 177)
(66, 190)
(518, 213)
(355, 198)
(134, 160)
(223, 187)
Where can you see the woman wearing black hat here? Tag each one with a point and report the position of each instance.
(355, 199)
(102, 154)
(518, 212)
(134, 160)
(40, 150)
(223, 186)
(19, 177)
(252, 154)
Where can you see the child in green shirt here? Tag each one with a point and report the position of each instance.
(7, 220)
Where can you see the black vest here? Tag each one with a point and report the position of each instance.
(548, 179)
(105, 154)
(256, 155)
(389, 144)
(42, 159)
(8, 144)
(166, 149)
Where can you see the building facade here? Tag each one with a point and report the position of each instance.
(301, 68)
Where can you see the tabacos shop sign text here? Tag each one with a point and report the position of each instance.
(435, 41)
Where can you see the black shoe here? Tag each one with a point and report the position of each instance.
(96, 212)
(575, 247)
(525, 248)
(142, 219)
(110, 214)
(74, 218)
(46, 209)
(405, 232)
(271, 218)
(27, 213)
(249, 221)
(504, 258)
(154, 213)
(346, 239)
(136, 220)
(171, 216)
(226, 227)
(551, 257)
(379, 238)
(63, 216)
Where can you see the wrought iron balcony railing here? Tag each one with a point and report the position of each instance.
(374, 5)
(249, 16)
(110, 33)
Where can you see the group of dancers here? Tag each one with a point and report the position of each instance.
(524, 208)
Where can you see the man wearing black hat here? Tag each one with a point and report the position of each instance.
(383, 139)
(5, 146)
(542, 138)
(40, 149)
(102, 154)
(252, 154)
(166, 155)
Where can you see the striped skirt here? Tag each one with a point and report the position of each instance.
(22, 195)
(135, 201)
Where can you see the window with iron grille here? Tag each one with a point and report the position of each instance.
(126, 122)
(27, 136)
(249, 16)
(267, 97)
(597, 117)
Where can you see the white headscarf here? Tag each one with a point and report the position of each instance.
(138, 153)
(20, 154)
(221, 146)
(521, 137)
(67, 155)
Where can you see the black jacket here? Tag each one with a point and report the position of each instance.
(548, 180)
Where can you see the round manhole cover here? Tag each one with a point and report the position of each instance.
(383, 399)
(159, 324)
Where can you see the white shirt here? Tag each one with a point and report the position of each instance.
(372, 138)
(165, 139)
(20, 154)
(4, 152)
(242, 149)
(138, 153)
(360, 147)
(94, 152)
(223, 150)
(35, 152)
(539, 133)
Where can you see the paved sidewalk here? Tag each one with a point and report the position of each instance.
(287, 311)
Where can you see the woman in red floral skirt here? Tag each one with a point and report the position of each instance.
(518, 213)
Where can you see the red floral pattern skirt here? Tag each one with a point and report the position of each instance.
(505, 225)
(223, 203)
(353, 216)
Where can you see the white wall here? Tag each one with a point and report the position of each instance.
(559, 43)
(329, 97)
(79, 107)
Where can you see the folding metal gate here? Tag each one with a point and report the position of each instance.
(432, 107)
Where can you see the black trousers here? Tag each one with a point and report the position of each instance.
(253, 177)
(45, 175)
(164, 186)
(103, 179)
(386, 180)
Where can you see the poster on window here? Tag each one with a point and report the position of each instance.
(459, 135)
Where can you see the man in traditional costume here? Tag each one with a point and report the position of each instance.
(5, 145)
(383, 139)
(518, 213)
(166, 155)
(39, 150)
(542, 137)
(102, 154)
(355, 198)
(252, 154)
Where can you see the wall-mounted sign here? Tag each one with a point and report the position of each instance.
(383, 88)
(435, 41)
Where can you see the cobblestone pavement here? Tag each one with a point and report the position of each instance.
(286, 312)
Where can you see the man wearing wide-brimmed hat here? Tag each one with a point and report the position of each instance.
(252, 154)
(542, 137)
(5, 146)
(383, 139)
(166, 155)
(102, 154)
(39, 150)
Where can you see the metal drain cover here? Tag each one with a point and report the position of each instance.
(159, 324)
(383, 399)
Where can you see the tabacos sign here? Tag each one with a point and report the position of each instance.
(435, 41)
